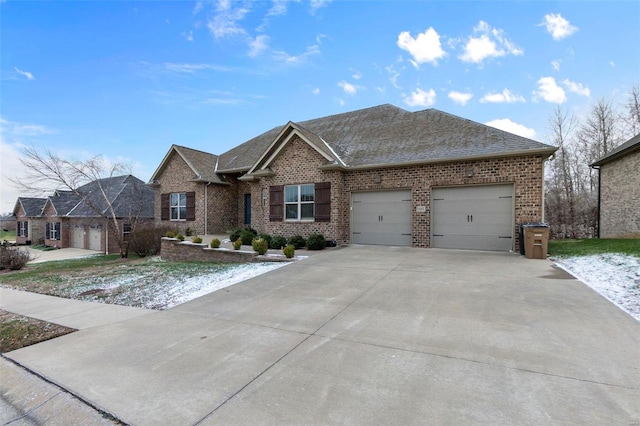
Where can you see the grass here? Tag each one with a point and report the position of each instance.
(566, 248)
(17, 331)
(7, 235)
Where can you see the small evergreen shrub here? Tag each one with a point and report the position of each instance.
(297, 241)
(180, 237)
(171, 234)
(260, 245)
(289, 251)
(235, 234)
(247, 235)
(267, 238)
(277, 243)
(188, 232)
(316, 242)
(215, 243)
(196, 240)
(237, 244)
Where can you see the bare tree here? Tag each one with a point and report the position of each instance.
(93, 182)
(632, 118)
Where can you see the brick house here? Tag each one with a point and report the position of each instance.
(29, 222)
(71, 220)
(380, 175)
(619, 191)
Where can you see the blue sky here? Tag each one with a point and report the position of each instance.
(128, 79)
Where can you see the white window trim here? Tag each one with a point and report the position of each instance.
(178, 206)
(299, 204)
(53, 233)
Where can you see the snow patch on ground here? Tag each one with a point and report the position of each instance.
(614, 276)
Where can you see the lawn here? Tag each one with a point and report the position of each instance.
(17, 331)
(146, 283)
(567, 248)
(7, 235)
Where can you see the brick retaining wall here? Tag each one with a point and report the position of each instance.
(173, 249)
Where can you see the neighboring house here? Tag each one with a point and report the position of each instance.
(83, 222)
(619, 191)
(8, 222)
(380, 175)
(29, 223)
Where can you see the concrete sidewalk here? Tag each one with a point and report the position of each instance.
(366, 335)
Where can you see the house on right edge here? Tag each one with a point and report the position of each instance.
(619, 191)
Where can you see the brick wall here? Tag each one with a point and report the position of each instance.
(298, 163)
(175, 250)
(620, 197)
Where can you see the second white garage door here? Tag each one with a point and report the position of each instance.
(381, 218)
(473, 217)
(77, 236)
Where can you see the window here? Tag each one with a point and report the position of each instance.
(178, 206)
(299, 202)
(23, 229)
(126, 230)
(52, 230)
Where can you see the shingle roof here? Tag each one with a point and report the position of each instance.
(387, 135)
(629, 146)
(125, 193)
(202, 164)
(32, 206)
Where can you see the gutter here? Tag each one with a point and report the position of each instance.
(597, 167)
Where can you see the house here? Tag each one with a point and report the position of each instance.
(619, 191)
(29, 223)
(380, 175)
(83, 219)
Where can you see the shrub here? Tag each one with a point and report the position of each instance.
(13, 258)
(235, 234)
(260, 245)
(215, 243)
(188, 232)
(145, 240)
(267, 238)
(180, 237)
(237, 244)
(289, 251)
(316, 242)
(247, 235)
(196, 239)
(297, 241)
(277, 243)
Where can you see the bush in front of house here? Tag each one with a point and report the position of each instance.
(277, 242)
(146, 240)
(247, 235)
(237, 244)
(180, 237)
(196, 240)
(267, 238)
(260, 245)
(297, 241)
(13, 258)
(289, 251)
(316, 242)
(215, 243)
(171, 234)
(188, 232)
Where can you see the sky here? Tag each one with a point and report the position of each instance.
(126, 80)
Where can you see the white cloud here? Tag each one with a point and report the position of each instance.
(348, 88)
(225, 23)
(549, 91)
(421, 98)
(188, 35)
(357, 76)
(503, 97)
(393, 76)
(193, 68)
(198, 7)
(613, 64)
(459, 97)
(316, 91)
(557, 26)
(488, 43)
(509, 126)
(556, 64)
(282, 56)
(278, 8)
(318, 4)
(425, 47)
(258, 45)
(576, 88)
(26, 74)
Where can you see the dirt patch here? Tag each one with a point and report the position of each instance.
(17, 331)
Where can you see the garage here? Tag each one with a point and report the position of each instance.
(381, 218)
(77, 236)
(473, 217)
(95, 238)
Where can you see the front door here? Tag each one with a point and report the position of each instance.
(247, 209)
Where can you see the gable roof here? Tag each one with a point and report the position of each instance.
(384, 136)
(626, 148)
(31, 206)
(202, 164)
(125, 193)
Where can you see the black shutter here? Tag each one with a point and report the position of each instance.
(26, 228)
(47, 231)
(276, 203)
(191, 206)
(323, 202)
(58, 236)
(164, 206)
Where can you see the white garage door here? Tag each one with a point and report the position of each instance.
(77, 236)
(95, 238)
(381, 218)
(473, 217)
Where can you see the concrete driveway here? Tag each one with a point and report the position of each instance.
(366, 335)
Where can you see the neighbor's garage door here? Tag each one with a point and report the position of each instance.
(77, 236)
(95, 238)
(473, 217)
(381, 218)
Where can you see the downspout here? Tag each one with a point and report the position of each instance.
(599, 185)
(106, 237)
(206, 204)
